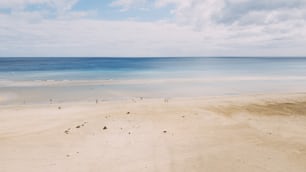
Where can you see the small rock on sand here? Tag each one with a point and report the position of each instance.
(104, 128)
(67, 131)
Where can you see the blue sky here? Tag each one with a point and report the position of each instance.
(152, 28)
(105, 10)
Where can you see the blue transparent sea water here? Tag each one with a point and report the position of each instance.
(252, 76)
(131, 68)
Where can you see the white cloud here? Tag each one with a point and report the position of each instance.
(96, 38)
(127, 4)
(200, 28)
(59, 5)
(233, 11)
(246, 23)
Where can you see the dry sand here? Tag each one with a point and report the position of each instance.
(251, 133)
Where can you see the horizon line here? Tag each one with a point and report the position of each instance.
(153, 56)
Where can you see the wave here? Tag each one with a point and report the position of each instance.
(35, 83)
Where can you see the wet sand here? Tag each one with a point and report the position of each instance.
(226, 133)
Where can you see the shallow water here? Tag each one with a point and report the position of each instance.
(27, 79)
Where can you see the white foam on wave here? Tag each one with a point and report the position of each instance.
(37, 83)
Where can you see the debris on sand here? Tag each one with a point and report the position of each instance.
(67, 131)
(84, 124)
(104, 128)
(129, 133)
(164, 131)
(128, 113)
(59, 108)
(78, 126)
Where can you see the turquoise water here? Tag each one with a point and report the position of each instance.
(131, 68)
(181, 77)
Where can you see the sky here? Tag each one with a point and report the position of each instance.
(152, 28)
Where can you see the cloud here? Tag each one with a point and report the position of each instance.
(262, 12)
(198, 28)
(39, 10)
(109, 38)
(236, 11)
(245, 21)
(61, 5)
(128, 4)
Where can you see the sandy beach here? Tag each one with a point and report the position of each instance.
(226, 133)
(152, 86)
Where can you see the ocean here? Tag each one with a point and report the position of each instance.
(71, 79)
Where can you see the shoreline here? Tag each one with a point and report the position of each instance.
(99, 82)
(256, 97)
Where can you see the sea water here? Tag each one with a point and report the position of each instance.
(177, 77)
